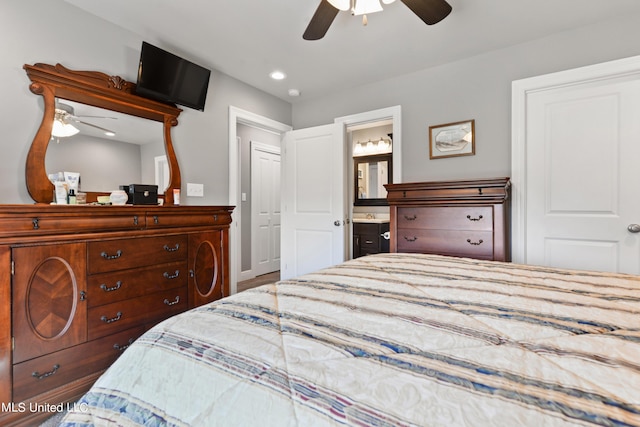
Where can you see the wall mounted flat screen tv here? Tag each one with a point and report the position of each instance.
(166, 77)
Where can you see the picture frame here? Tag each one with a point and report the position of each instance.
(452, 140)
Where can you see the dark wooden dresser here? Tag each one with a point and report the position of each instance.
(78, 284)
(467, 218)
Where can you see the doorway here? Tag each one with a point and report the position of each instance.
(239, 116)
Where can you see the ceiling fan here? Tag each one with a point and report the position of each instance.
(430, 11)
(64, 118)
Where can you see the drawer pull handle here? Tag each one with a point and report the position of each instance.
(411, 218)
(83, 295)
(410, 239)
(155, 219)
(171, 276)
(174, 302)
(36, 223)
(135, 220)
(105, 319)
(368, 242)
(111, 289)
(123, 347)
(172, 249)
(479, 242)
(474, 219)
(107, 256)
(37, 375)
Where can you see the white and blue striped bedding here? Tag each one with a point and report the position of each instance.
(390, 340)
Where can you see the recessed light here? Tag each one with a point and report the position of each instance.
(277, 75)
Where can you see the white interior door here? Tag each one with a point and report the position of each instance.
(313, 198)
(581, 148)
(265, 208)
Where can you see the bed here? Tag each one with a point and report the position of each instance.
(389, 340)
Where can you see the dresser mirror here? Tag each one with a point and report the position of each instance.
(96, 104)
(108, 149)
(371, 174)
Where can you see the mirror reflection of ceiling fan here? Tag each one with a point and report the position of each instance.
(430, 11)
(66, 123)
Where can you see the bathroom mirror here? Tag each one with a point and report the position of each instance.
(371, 174)
(58, 84)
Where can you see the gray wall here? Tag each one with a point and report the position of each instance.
(479, 88)
(52, 31)
(476, 88)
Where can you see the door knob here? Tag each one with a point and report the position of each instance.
(634, 228)
(337, 223)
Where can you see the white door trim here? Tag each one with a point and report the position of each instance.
(237, 115)
(520, 91)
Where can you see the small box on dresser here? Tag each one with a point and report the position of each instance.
(466, 218)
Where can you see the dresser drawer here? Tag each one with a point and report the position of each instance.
(106, 288)
(110, 318)
(169, 218)
(474, 244)
(446, 218)
(120, 254)
(56, 369)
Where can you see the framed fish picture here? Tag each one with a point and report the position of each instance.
(452, 140)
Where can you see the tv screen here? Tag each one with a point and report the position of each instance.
(166, 77)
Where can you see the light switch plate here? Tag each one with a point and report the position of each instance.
(195, 190)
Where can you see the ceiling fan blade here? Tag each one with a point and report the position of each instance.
(321, 21)
(430, 11)
(93, 126)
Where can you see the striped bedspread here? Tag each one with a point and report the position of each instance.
(390, 340)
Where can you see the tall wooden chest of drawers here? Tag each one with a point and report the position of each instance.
(467, 218)
(79, 283)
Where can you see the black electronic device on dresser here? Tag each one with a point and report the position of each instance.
(370, 238)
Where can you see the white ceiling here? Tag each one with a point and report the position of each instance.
(247, 39)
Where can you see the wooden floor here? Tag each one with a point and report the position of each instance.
(260, 280)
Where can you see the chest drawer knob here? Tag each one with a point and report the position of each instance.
(123, 347)
(411, 218)
(410, 239)
(478, 243)
(175, 275)
(174, 302)
(478, 218)
(172, 249)
(107, 256)
(37, 375)
(105, 319)
(106, 288)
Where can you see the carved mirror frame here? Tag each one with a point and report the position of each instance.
(99, 90)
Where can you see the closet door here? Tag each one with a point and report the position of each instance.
(579, 186)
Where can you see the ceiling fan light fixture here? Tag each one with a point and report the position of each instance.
(362, 7)
(388, 1)
(63, 130)
(340, 4)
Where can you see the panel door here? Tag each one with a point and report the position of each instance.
(207, 273)
(49, 305)
(313, 196)
(265, 208)
(582, 175)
